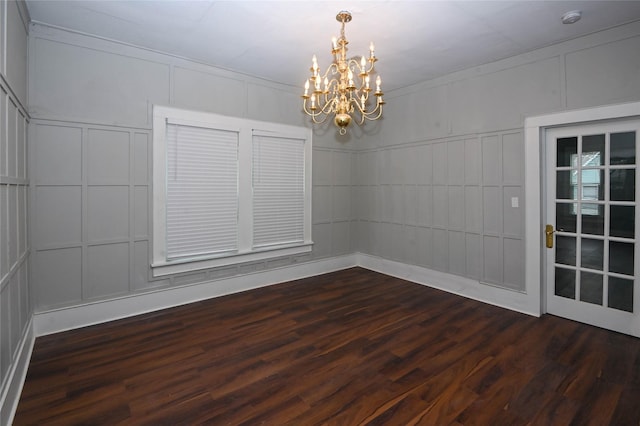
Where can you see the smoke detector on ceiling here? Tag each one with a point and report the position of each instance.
(571, 17)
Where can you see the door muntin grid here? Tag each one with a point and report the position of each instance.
(595, 219)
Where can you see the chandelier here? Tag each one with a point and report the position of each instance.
(343, 90)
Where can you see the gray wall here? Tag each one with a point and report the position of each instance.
(15, 306)
(431, 184)
(90, 102)
(436, 182)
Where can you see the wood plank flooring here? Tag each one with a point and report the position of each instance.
(347, 348)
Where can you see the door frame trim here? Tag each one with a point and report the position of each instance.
(534, 139)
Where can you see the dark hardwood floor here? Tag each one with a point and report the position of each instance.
(347, 348)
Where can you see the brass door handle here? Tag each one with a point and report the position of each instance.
(548, 232)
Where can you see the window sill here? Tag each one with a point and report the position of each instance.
(187, 265)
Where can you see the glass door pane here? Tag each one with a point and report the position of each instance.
(595, 219)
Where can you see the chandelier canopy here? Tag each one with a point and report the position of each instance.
(342, 91)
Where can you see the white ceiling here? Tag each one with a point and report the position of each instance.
(415, 40)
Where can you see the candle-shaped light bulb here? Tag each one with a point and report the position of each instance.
(306, 87)
(317, 83)
(363, 63)
(362, 99)
(366, 81)
(378, 83)
(326, 84)
(313, 101)
(350, 76)
(334, 43)
(371, 49)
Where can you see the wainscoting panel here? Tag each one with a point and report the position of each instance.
(463, 206)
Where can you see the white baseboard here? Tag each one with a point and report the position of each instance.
(466, 287)
(63, 319)
(17, 375)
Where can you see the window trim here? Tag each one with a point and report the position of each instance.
(162, 115)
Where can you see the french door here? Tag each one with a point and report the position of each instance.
(593, 224)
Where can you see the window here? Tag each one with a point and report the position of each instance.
(591, 182)
(227, 190)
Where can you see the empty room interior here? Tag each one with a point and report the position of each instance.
(300, 213)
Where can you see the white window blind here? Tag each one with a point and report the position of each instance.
(202, 191)
(278, 190)
(227, 190)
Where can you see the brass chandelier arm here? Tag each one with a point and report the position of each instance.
(357, 64)
(323, 112)
(372, 115)
(326, 108)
